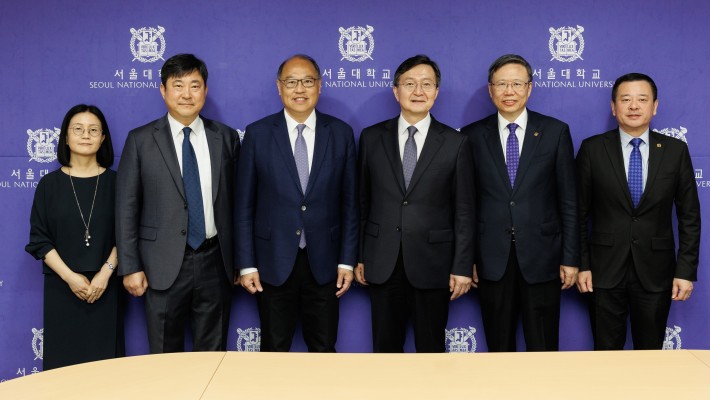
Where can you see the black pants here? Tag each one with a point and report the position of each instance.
(395, 301)
(503, 301)
(610, 309)
(300, 296)
(201, 295)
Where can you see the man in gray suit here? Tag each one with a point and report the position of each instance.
(174, 210)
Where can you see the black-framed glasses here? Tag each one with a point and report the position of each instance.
(306, 82)
(410, 86)
(79, 130)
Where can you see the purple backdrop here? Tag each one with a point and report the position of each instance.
(57, 54)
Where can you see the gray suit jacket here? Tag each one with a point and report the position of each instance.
(151, 210)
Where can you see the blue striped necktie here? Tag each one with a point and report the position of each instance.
(193, 193)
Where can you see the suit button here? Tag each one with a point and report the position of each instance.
(298, 232)
(398, 229)
(405, 203)
(184, 232)
(634, 241)
(635, 219)
(303, 207)
(185, 206)
(512, 204)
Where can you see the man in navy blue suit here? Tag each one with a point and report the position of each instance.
(296, 213)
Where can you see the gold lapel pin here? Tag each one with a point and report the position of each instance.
(536, 134)
(658, 145)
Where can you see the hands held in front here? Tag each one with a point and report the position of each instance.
(345, 278)
(79, 285)
(459, 285)
(568, 276)
(98, 285)
(251, 282)
(136, 283)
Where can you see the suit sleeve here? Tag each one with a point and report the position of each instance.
(236, 149)
(688, 214)
(128, 206)
(364, 192)
(245, 204)
(464, 214)
(584, 201)
(567, 199)
(349, 206)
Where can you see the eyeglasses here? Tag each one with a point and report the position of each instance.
(306, 82)
(410, 86)
(518, 86)
(79, 130)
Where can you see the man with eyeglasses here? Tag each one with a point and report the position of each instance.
(296, 213)
(630, 179)
(527, 238)
(174, 215)
(417, 205)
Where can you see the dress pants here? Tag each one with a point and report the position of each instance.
(395, 301)
(300, 296)
(609, 310)
(201, 295)
(504, 300)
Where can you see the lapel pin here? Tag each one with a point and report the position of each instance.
(658, 145)
(536, 134)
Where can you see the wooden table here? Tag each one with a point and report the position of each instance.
(681, 374)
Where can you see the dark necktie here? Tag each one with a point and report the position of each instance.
(300, 153)
(193, 193)
(512, 153)
(409, 158)
(635, 172)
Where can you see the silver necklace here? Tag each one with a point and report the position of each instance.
(87, 235)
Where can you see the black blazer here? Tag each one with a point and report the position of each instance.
(611, 227)
(432, 220)
(541, 209)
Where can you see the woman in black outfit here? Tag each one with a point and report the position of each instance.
(72, 231)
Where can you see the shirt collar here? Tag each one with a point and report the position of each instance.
(310, 122)
(522, 121)
(176, 127)
(422, 126)
(626, 138)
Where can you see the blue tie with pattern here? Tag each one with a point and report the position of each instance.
(635, 172)
(512, 153)
(300, 153)
(409, 158)
(193, 193)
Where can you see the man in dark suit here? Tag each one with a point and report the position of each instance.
(174, 210)
(296, 212)
(629, 179)
(416, 203)
(527, 239)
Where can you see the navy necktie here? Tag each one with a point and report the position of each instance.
(635, 172)
(512, 153)
(300, 153)
(193, 192)
(409, 157)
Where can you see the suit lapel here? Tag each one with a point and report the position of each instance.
(214, 143)
(283, 143)
(166, 145)
(655, 157)
(390, 143)
(496, 149)
(322, 140)
(612, 144)
(432, 144)
(533, 134)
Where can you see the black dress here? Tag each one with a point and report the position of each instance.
(75, 331)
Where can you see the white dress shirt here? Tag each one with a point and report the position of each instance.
(626, 148)
(198, 139)
(419, 137)
(503, 131)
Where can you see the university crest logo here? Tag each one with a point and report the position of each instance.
(672, 340)
(249, 339)
(38, 342)
(674, 133)
(42, 144)
(148, 44)
(356, 43)
(566, 43)
(461, 340)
